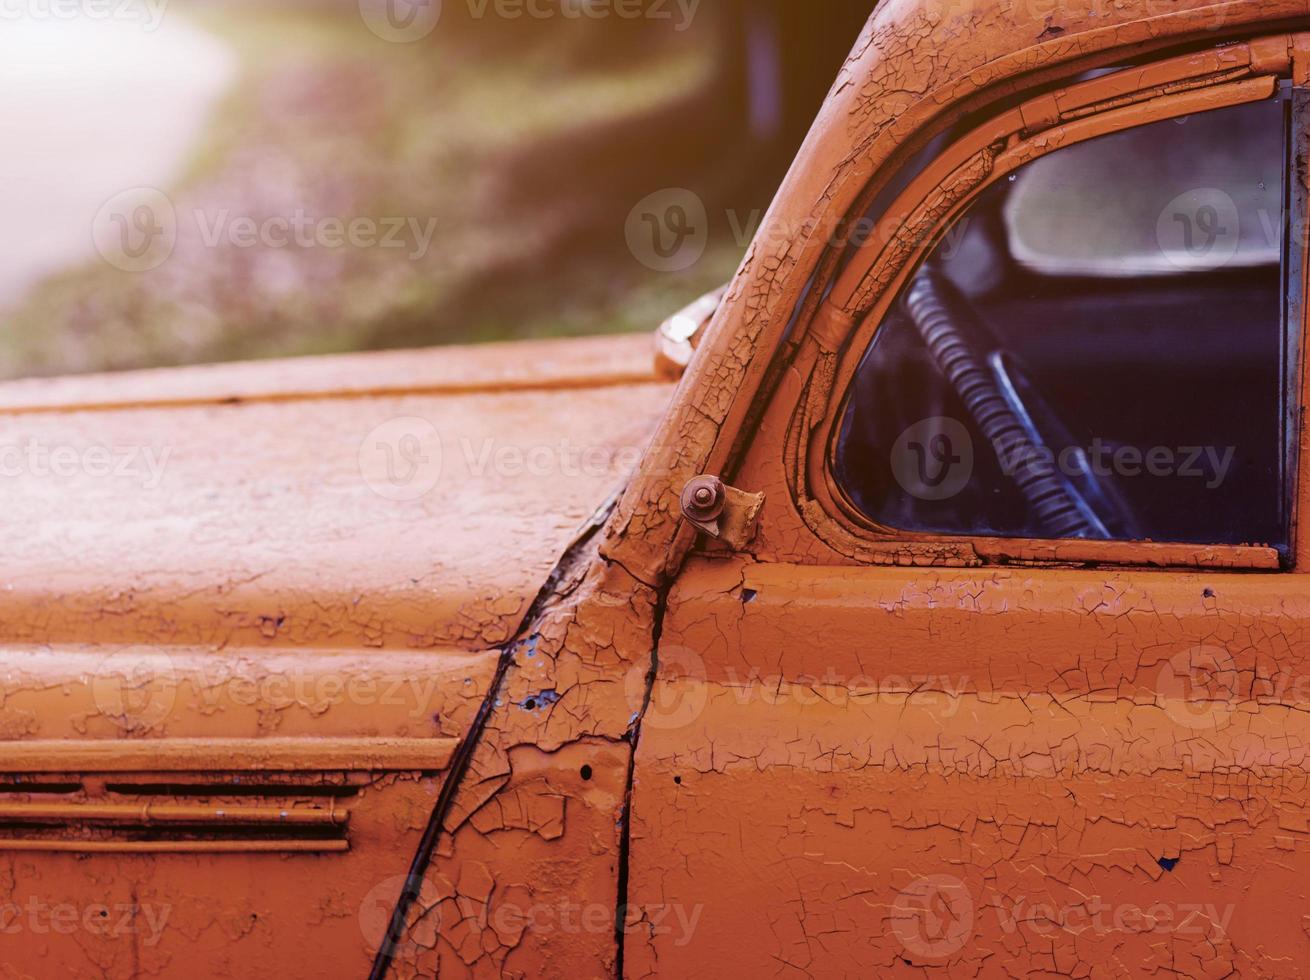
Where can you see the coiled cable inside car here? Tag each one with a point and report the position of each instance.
(942, 319)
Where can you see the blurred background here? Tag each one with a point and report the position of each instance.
(201, 180)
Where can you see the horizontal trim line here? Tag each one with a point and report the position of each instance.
(227, 754)
(173, 846)
(172, 813)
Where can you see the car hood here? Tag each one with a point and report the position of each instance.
(405, 499)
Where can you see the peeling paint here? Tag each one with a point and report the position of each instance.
(808, 757)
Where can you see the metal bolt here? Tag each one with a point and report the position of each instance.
(703, 498)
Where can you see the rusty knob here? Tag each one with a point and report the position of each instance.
(703, 498)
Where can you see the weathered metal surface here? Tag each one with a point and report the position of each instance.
(810, 755)
(849, 770)
(216, 600)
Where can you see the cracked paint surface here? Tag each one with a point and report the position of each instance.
(282, 637)
(541, 812)
(265, 517)
(887, 756)
(844, 770)
(977, 772)
(839, 768)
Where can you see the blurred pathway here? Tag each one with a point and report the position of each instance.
(90, 107)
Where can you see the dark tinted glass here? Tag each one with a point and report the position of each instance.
(1095, 349)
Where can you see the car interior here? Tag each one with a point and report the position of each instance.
(1113, 313)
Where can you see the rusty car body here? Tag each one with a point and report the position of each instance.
(529, 661)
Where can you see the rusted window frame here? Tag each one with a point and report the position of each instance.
(862, 292)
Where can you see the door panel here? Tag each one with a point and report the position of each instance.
(1023, 768)
(845, 770)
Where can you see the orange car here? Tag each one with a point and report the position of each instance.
(947, 616)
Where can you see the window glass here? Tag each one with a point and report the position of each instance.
(1094, 349)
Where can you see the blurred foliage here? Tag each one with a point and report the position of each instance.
(528, 141)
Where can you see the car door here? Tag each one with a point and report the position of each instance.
(1012, 676)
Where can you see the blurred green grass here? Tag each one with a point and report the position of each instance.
(528, 151)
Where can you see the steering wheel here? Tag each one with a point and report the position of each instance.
(1068, 495)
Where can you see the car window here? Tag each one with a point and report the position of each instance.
(1094, 349)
